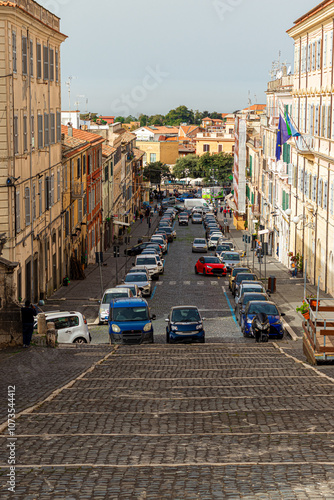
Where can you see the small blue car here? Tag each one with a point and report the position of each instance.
(130, 321)
(185, 324)
(271, 310)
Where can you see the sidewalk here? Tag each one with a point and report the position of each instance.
(90, 288)
(289, 291)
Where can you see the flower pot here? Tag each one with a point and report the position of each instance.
(313, 304)
(306, 315)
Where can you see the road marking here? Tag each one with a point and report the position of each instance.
(226, 282)
(159, 283)
(186, 282)
(231, 309)
(224, 289)
(213, 283)
(200, 283)
(153, 291)
(172, 282)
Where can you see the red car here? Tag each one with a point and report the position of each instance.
(210, 265)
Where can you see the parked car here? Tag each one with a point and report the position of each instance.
(140, 279)
(130, 321)
(197, 218)
(239, 279)
(249, 286)
(210, 265)
(155, 238)
(136, 249)
(224, 246)
(230, 259)
(234, 272)
(247, 297)
(71, 326)
(214, 240)
(183, 220)
(109, 295)
(147, 260)
(199, 245)
(268, 308)
(185, 324)
(134, 289)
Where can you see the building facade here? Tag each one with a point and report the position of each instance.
(30, 146)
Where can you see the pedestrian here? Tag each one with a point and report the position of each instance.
(225, 212)
(230, 212)
(28, 312)
(141, 217)
(294, 267)
(221, 209)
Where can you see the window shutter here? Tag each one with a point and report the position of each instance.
(40, 195)
(316, 121)
(331, 206)
(301, 179)
(331, 48)
(46, 129)
(45, 63)
(325, 50)
(27, 205)
(51, 65)
(39, 60)
(25, 133)
(308, 57)
(40, 131)
(79, 210)
(58, 118)
(18, 209)
(52, 129)
(290, 173)
(325, 197)
(14, 60)
(313, 56)
(24, 55)
(16, 135)
(58, 185)
(319, 54)
(329, 121)
(314, 188)
(57, 65)
(31, 55)
(52, 201)
(320, 192)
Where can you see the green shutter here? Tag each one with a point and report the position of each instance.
(283, 201)
(250, 166)
(252, 199)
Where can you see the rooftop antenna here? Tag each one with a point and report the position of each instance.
(249, 99)
(79, 96)
(68, 85)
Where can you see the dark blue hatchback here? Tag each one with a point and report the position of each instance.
(185, 324)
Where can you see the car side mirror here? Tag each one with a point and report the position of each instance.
(203, 319)
(133, 264)
(166, 320)
(153, 317)
(99, 302)
(282, 314)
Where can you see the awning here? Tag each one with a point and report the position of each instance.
(121, 223)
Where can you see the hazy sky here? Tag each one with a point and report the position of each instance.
(149, 56)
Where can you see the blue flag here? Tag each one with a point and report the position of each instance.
(291, 129)
(282, 137)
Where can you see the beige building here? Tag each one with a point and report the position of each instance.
(215, 142)
(164, 151)
(312, 207)
(30, 146)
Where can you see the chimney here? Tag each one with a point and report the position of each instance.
(70, 131)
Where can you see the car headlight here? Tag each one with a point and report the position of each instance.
(278, 322)
(199, 327)
(174, 328)
(147, 327)
(115, 328)
(209, 267)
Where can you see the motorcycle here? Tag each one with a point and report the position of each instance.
(261, 327)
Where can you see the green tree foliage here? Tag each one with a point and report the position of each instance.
(187, 166)
(216, 167)
(156, 120)
(155, 170)
(179, 115)
(143, 120)
(119, 119)
(130, 119)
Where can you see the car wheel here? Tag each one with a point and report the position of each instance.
(196, 272)
(80, 340)
(204, 271)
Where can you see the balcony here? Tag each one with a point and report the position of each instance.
(77, 190)
(305, 144)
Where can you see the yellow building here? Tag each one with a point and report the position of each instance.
(164, 151)
(214, 142)
(30, 146)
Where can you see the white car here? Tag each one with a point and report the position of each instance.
(149, 262)
(109, 295)
(214, 241)
(160, 241)
(71, 326)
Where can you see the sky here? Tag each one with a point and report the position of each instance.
(149, 56)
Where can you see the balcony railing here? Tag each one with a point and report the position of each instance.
(305, 143)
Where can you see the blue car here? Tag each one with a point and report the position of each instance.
(185, 324)
(130, 321)
(271, 310)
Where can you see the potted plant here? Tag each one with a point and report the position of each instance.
(312, 299)
(304, 309)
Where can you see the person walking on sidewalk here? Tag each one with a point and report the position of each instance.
(294, 267)
(28, 312)
(141, 217)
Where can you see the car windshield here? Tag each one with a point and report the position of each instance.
(253, 296)
(185, 315)
(211, 260)
(241, 277)
(264, 307)
(231, 256)
(130, 314)
(132, 288)
(199, 241)
(237, 270)
(108, 297)
(253, 289)
(147, 261)
(135, 278)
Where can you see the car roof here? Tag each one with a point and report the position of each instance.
(109, 290)
(251, 283)
(131, 303)
(260, 302)
(184, 307)
(255, 293)
(62, 313)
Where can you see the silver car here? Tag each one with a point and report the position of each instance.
(199, 245)
(109, 295)
(134, 289)
(249, 287)
(230, 259)
(139, 279)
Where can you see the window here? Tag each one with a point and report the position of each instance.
(331, 49)
(27, 205)
(38, 60)
(313, 56)
(17, 214)
(320, 187)
(325, 50)
(331, 205)
(325, 195)
(31, 56)
(85, 204)
(52, 199)
(57, 65)
(45, 62)
(111, 168)
(319, 54)
(25, 133)
(47, 193)
(314, 188)
(206, 148)
(51, 65)
(32, 131)
(34, 201)
(67, 223)
(65, 178)
(14, 58)
(24, 55)
(79, 168)
(58, 118)
(316, 120)
(40, 131)
(106, 172)
(329, 121)
(46, 129)
(290, 174)
(323, 120)
(58, 185)
(286, 153)
(89, 166)
(80, 210)
(220, 148)
(52, 129)
(40, 195)
(153, 157)
(84, 165)
(16, 135)
(308, 58)
(100, 158)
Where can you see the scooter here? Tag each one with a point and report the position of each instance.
(261, 327)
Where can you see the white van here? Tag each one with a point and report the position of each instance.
(195, 202)
(150, 262)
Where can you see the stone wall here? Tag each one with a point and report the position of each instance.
(10, 312)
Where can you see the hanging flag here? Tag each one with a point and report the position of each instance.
(291, 129)
(282, 137)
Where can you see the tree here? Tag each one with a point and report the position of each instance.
(155, 170)
(130, 119)
(156, 120)
(120, 119)
(143, 120)
(216, 167)
(187, 166)
(179, 115)
(215, 115)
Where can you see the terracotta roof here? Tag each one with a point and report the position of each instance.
(163, 130)
(127, 136)
(168, 139)
(73, 142)
(108, 119)
(258, 107)
(188, 129)
(93, 139)
(138, 153)
(107, 150)
(313, 11)
(186, 149)
(206, 118)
